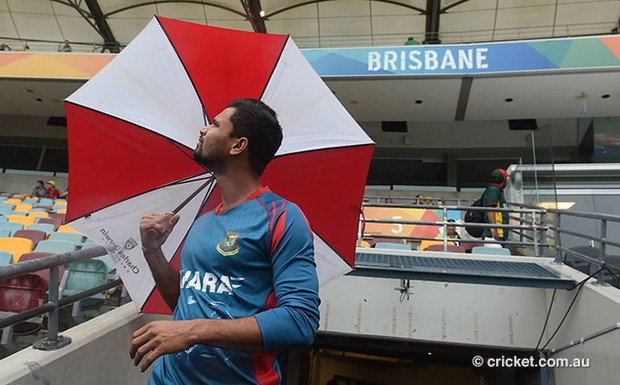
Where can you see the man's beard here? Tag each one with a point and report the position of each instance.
(211, 164)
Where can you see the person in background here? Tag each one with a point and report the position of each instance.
(4, 47)
(452, 233)
(411, 41)
(65, 47)
(494, 197)
(39, 189)
(52, 191)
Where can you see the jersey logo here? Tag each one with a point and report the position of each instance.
(229, 245)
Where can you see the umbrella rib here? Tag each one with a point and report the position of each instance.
(204, 201)
(179, 145)
(323, 149)
(330, 247)
(209, 181)
(189, 179)
(205, 114)
(273, 70)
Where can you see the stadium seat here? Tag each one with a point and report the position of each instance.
(84, 275)
(482, 250)
(16, 246)
(22, 207)
(35, 236)
(60, 202)
(60, 217)
(75, 238)
(13, 201)
(17, 295)
(19, 213)
(6, 258)
(44, 274)
(426, 243)
(45, 202)
(37, 209)
(48, 228)
(110, 267)
(5, 233)
(67, 229)
(60, 211)
(3, 218)
(57, 223)
(5, 208)
(11, 226)
(25, 221)
(56, 247)
(392, 246)
(31, 201)
(450, 248)
(34, 214)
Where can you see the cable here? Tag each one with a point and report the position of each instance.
(580, 286)
(542, 333)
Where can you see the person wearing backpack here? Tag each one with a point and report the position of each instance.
(494, 197)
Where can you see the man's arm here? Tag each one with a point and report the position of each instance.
(491, 218)
(165, 337)
(292, 322)
(154, 231)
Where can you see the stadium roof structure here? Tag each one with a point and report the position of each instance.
(110, 24)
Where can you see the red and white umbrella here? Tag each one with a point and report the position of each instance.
(133, 128)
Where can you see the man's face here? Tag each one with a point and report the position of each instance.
(451, 231)
(215, 141)
(39, 185)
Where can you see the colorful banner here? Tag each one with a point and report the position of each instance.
(464, 59)
(538, 55)
(404, 214)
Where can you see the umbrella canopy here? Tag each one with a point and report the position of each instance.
(133, 128)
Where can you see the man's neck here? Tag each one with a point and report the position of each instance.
(238, 187)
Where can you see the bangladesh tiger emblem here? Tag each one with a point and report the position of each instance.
(229, 245)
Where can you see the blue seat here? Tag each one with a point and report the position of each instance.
(6, 258)
(77, 239)
(5, 233)
(481, 250)
(110, 267)
(45, 202)
(392, 246)
(6, 207)
(81, 276)
(30, 201)
(47, 227)
(55, 246)
(12, 227)
(3, 218)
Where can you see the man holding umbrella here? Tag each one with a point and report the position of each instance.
(248, 286)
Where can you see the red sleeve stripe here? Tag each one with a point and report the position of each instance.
(278, 231)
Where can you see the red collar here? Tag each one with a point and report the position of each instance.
(259, 191)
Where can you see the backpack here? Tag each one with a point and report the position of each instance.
(475, 216)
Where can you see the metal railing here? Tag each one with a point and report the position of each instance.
(53, 340)
(531, 229)
(530, 226)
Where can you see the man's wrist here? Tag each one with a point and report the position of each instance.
(150, 250)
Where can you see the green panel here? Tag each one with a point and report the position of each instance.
(589, 53)
(555, 50)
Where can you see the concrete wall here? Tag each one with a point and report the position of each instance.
(23, 181)
(98, 354)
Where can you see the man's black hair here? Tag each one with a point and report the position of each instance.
(257, 122)
(40, 181)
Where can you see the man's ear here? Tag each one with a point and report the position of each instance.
(239, 145)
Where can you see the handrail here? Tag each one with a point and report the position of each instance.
(603, 217)
(34, 265)
(53, 340)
